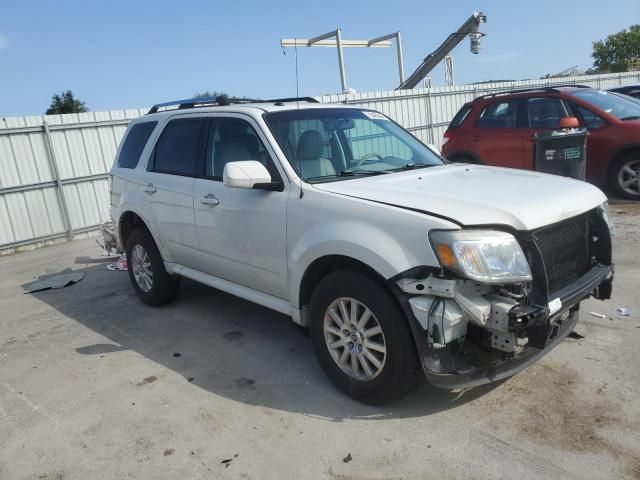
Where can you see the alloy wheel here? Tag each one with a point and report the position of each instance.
(141, 268)
(354, 338)
(629, 177)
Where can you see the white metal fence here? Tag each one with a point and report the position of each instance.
(53, 169)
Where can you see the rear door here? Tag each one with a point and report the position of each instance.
(170, 180)
(497, 138)
(543, 114)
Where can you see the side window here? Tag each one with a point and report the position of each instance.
(234, 140)
(460, 117)
(546, 112)
(499, 115)
(176, 151)
(313, 150)
(591, 120)
(368, 139)
(134, 144)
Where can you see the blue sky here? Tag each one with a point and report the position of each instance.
(124, 54)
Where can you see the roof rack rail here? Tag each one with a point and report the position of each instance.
(545, 88)
(222, 100)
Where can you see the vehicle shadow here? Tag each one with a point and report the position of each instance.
(227, 346)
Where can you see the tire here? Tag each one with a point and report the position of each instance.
(397, 368)
(161, 288)
(624, 169)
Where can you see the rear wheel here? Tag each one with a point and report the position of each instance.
(624, 175)
(150, 279)
(361, 338)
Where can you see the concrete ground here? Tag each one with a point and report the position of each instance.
(94, 384)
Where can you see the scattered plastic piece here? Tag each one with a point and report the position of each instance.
(576, 335)
(348, 458)
(54, 280)
(120, 265)
(598, 315)
(623, 311)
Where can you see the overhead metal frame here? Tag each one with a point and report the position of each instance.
(325, 40)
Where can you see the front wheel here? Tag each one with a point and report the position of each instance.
(625, 176)
(361, 338)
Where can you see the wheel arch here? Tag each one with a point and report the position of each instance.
(464, 153)
(323, 266)
(128, 221)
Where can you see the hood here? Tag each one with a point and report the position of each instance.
(477, 195)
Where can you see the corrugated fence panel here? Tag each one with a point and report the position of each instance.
(32, 204)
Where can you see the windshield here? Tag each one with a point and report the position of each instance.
(329, 144)
(619, 106)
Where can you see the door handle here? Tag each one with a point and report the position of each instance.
(209, 199)
(476, 138)
(149, 188)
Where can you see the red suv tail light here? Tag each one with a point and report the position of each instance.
(446, 137)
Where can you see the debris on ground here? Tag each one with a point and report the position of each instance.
(226, 462)
(623, 311)
(177, 354)
(348, 458)
(109, 236)
(575, 335)
(120, 265)
(597, 315)
(54, 280)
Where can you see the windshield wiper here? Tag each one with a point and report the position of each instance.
(631, 117)
(413, 166)
(349, 173)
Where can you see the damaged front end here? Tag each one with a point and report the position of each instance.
(501, 300)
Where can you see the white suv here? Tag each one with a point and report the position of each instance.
(396, 260)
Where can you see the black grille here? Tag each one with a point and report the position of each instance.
(565, 250)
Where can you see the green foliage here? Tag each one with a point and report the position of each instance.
(65, 102)
(214, 93)
(208, 93)
(614, 52)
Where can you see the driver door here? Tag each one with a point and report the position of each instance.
(241, 232)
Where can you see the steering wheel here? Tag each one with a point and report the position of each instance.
(367, 157)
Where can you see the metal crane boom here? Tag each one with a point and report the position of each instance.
(435, 57)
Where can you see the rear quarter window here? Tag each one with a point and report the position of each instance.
(460, 117)
(134, 144)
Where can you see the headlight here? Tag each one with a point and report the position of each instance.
(487, 256)
(604, 211)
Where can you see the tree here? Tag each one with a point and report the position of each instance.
(208, 93)
(65, 102)
(214, 93)
(614, 52)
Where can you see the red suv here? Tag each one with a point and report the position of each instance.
(499, 129)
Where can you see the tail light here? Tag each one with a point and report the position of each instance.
(445, 137)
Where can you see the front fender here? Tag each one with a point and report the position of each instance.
(367, 243)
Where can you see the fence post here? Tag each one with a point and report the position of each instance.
(53, 162)
(430, 116)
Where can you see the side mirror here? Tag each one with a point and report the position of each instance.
(569, 122)
(248, 174)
